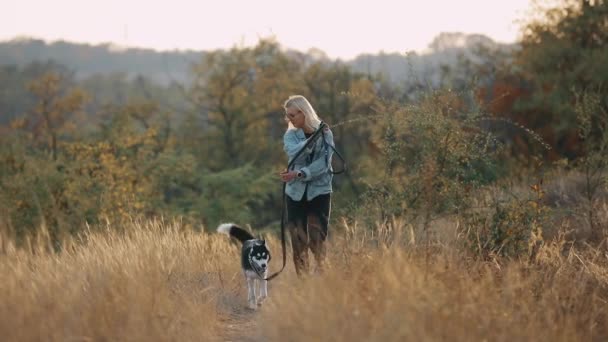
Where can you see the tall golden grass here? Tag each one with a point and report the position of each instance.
(153, 282)
(386, 289)
(157, 281)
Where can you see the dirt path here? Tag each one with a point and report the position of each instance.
(241, 326)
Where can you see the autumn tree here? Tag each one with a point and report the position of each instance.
(55, 110)
(238, 94)
(563, 51)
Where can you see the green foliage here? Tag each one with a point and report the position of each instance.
(592, 119)
(565, 49)
(211, 151)
(55, 110)
(238, 95)
(67, 162)
(510, 227)
(27, 197)
(15, 99)
(238, 195)
(433, 155)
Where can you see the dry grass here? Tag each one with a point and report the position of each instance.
(394, 293)
(160, 282)
(154, 283)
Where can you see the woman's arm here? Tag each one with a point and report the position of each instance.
(322, 162)
(291, 145)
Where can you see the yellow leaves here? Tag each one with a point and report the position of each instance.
(18, 123)
(20, 204)
(45, 85)
(540, 193)
(55, 110)
(49, 90)
(535, 187)
(130, 141)
(114, 173)
(106, 158)
(362, 95)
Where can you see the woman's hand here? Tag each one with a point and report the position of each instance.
(288, 176)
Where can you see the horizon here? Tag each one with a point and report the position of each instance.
(341, 30)
(114, 47)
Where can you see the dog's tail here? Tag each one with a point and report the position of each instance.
(235, 231)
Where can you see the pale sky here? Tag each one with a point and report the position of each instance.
(342, 29)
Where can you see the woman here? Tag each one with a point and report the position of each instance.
(308, 187)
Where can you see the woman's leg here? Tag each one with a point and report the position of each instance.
(296, 224)
(318, 222)
(299, 246)
(317, 245)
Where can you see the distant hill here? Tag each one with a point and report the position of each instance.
(446, 50)
(87, 60)
(165, 66)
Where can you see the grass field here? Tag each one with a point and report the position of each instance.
(160, 282)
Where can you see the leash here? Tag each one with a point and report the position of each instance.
(312, 139)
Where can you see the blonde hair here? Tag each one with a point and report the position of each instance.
(311, 119)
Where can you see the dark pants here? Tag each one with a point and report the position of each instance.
(307, 222)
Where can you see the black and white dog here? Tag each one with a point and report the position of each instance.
(254, 261)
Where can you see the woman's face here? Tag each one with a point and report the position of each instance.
(296, 117)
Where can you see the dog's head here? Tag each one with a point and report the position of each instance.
(260, 255)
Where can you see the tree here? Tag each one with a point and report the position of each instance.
(55, 108)
(239, 94)
(15, 98)
(565, 50)
(343, 99)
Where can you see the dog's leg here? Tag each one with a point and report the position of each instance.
(251, 300)
(299, 245)
(263, 290)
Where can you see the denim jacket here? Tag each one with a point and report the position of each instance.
(314, 163)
